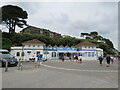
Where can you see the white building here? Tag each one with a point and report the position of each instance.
(89, 50)
(28, 49)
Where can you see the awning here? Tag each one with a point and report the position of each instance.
(68, 51)
(62, 51)
(72, 51)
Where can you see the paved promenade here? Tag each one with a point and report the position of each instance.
(58, 74)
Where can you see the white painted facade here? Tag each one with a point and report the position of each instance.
(91, 53)
(28, 49)
(52, 55)
(87, 53)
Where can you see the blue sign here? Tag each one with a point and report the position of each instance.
(59, 48)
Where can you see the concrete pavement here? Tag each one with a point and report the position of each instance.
(46, 77)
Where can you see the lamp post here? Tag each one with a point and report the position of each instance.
(21, 66)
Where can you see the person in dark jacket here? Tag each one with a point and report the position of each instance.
(63, 57)
(100, 59)
(39, 59)
(108, 60)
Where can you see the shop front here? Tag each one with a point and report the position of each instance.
(68, 54)
(59, 52)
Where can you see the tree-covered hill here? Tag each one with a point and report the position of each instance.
(9, 40)
(13, 16)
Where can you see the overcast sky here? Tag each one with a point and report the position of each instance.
(73, 18)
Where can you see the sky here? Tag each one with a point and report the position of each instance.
(73, 18)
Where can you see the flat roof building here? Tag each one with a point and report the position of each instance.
(36, 30)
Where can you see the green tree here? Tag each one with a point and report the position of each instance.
(16, 39)
(6, 43)
(13, 16)
(109, 43)
(93, 33)
(106, 48)
(85, 34)
(87, 38)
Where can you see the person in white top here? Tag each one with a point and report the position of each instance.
(35, 58)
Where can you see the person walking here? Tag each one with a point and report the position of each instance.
(80, 59)
(76, 58)
(108, 60)
(119, 58)
(38, 60)
(112, 59)
(100, 58)
(45, 58)
(63, 57)
(35, 58)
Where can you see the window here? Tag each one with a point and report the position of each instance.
(33, 45)
(38, 45)
(38, 52)
(28, 52)
(88, 47)
(53, 54)
(28, 45)
(18, 54)
(97, 54)
(93, 54)
(6, 56)
(41, 31)
(46, 52)
(85, 54)
(89, 54)
(22, 54)
(85, 47)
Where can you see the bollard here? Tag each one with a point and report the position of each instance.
(38, 63)
(35, 64)
(6, 66)
(19, 65)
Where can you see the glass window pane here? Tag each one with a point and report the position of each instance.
(89, 54)
(18, 54)
(38, 52)
(22, 54)
(53, 54)
(93, 54)
(85, 54)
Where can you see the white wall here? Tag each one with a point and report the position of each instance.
(93, 54)
(85, 55)
(33, 48)
(49, 56)
(87, 47)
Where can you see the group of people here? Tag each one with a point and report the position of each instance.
(109, 59)
(78, 58)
